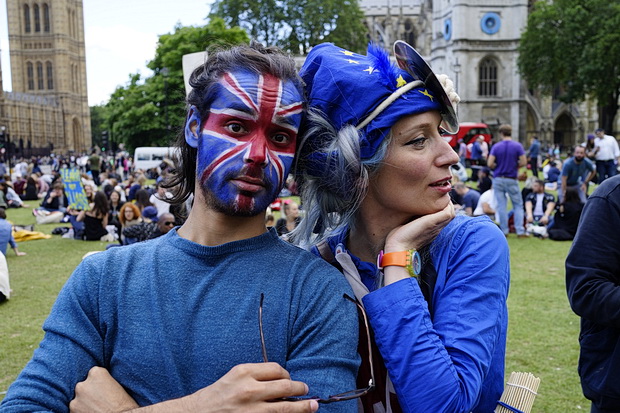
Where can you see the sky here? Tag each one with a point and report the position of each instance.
(121, 37)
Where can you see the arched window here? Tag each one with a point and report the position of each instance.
(74, 81)
(487, 78)
(46, 18)
(50, 75)
(69, 21)
(37, 19)
(30, 75)
(77, 79)
(409, 33)
(40, 82)
(27, 18)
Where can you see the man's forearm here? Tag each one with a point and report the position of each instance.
(550, 208)
(170, 406)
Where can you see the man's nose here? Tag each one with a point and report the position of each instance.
(258, 151)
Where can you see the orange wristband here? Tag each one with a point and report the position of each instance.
(409, 259)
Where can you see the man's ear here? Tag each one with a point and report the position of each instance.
(192, 127)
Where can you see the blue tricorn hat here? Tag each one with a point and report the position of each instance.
(371, 93)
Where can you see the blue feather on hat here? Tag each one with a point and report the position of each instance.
(382, 64)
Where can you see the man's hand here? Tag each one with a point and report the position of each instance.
(530, 218)
(245, 388)
(100, 393)
(544, 220)
(249, 388)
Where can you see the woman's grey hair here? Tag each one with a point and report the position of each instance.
(332, 177)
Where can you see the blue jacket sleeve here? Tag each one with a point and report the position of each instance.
(12, 242)
(71, 346)
(444, 363)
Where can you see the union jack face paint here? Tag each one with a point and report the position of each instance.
(248, 140)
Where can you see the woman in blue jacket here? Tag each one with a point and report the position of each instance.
(375, 177)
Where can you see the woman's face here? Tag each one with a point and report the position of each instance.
(414, 178)
(128, 212)
(114, 197)
(88, 190)
(292, 210)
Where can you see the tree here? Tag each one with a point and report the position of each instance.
(149, 111)
(574, 46)
(297, 25)
(264, 20)
(98, 116)
(316, 21)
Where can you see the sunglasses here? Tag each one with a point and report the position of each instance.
(340, 397)
(169, 223)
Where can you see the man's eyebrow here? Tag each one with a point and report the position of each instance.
(241, 107)
(288, 120)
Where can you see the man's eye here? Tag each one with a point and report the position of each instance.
(235, 128)
(280, 138)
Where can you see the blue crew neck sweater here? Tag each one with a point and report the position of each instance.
(168, 317)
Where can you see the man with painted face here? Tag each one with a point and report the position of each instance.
(172, 324)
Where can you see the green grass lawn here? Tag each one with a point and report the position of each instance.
(542, 335)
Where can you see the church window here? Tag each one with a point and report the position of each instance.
(50, 76)
(30, 75)
(46, 18)
(27, 18)
(70, 21)
(37, 19)
(487, 78)
(409, 36)
(40, 75)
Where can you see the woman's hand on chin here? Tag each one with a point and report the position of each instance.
(419, 232)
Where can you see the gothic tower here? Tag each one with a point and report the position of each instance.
(48, 61)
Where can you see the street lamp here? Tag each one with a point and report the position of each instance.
(6, 140)
(457, 69)
(3, 140)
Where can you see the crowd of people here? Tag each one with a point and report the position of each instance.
(201, 305)
(535, 209)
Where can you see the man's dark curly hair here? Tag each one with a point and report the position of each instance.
(253, 57)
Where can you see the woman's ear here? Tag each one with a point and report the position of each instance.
(192, 127)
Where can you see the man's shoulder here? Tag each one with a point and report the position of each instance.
(300, 256)
(610, 188)
(5, 225)
(472, 193)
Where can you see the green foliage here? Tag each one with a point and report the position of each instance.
(97, 122)
(574, 46)
(150, 111)
(542, 331)
(262, 19)
(297, 25)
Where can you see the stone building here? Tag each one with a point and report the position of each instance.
(48, 107)
(475, 43)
